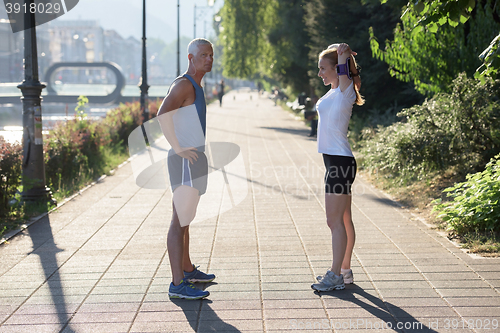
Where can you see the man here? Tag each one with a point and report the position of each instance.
(221, 92)
(182, 117)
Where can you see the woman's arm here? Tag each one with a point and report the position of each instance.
(344, 52)
(356, 79)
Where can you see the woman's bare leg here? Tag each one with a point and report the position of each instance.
(336, 205)
(351, 235)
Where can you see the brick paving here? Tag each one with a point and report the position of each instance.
(99, 263)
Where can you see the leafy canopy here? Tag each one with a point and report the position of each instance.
(430, 48)
(265, 39)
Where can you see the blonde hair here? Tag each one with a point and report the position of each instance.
(332, 56)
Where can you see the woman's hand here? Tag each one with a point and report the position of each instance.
(188, 153)
(343, 47)
(337, 47)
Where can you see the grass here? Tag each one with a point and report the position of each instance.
(487, 245)
(27, 211)
(113, 159)
(416, 196)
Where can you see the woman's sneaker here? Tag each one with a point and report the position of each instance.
(347, 273)
(198, 276)
(348, 276)
(186, 290)
(320, 277)
(328, 282)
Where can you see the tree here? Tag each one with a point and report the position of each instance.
(430, 47)
(434, 13)
(332, 21)
(265, 39)
(491, 60)
(244, 26)
(289, 39)
(281, 39)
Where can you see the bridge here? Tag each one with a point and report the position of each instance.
(59, 91)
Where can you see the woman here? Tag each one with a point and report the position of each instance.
(337, 67)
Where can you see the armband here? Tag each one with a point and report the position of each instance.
(344, 69)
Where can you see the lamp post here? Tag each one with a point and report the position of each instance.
(210, 5)
(178, 42)
(144, 76)
(33, 175)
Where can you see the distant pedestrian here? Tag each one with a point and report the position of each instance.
(182, 117)
(312, 115)
(221, 92)
(336, 67)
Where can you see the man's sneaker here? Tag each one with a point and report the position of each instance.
(348, 276)
(186, 290)
(198, 276)
(328, 282)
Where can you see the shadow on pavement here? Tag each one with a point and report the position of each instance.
(391, 316)
(44, 247)
(301, 132)
(275, 189)
(202, 317)
(385, 201)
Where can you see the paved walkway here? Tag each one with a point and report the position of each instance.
(99, 263)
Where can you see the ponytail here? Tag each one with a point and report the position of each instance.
(360, 100)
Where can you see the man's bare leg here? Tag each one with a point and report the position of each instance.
(185, 202)
(187, 265)
(175, 246)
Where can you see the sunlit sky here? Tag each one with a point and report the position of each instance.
(125, 16)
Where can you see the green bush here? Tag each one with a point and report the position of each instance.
(10, 175)
(76, 152)
(81, 149)
(460, 129)
(476, 203)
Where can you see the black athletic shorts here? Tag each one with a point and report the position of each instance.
(182, 172)
(340, 173)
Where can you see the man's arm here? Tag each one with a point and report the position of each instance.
(181, 94)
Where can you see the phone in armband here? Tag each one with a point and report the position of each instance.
(343, 69)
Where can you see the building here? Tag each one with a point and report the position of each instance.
(11, 54)
(127, 53)
(71, 41)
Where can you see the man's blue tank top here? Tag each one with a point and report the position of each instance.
(199, 102)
